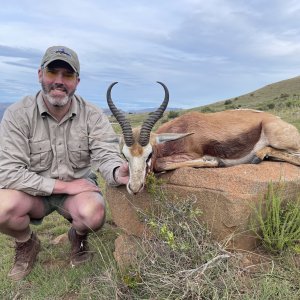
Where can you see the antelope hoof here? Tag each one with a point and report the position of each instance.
(256, 160)
(262, 154)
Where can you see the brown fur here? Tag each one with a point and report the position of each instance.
(234, 148)
(228, 134)
(224, 135)
(136, 150)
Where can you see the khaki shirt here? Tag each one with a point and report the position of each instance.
(35, 149)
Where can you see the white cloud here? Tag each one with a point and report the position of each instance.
(204, 50)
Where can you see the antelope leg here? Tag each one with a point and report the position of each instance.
(272, 153)
(195, 163)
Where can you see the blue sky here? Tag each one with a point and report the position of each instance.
(204, 51)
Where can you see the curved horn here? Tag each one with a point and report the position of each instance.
(120, 116)
(153, 118)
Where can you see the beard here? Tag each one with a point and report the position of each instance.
(57, 101)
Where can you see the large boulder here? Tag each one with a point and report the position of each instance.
(226, 196)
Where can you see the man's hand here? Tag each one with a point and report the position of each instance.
(74, 187)
(122, 174)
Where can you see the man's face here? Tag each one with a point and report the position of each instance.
(59, 82)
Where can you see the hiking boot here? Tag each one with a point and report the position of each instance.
(79, 247)
(25, 257)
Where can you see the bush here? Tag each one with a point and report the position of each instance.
(173, 114)
(278, 224)
(164, 120)
(288, 104)
(207, 109)
(270, 105)
(284, 95)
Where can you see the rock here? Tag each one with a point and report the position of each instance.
(226, 196)
(126, 251)
(61, 239)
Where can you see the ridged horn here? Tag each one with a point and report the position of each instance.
(153, 118)
(120, 116)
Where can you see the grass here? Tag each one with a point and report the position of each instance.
(278, 222)
(53, 277)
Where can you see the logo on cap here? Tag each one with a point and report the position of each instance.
(63, 51)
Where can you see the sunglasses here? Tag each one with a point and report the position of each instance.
(52, 74)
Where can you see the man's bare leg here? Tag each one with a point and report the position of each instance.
(16, 209)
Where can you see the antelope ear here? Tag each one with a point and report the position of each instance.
(166, 137)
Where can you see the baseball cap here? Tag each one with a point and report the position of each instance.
(61, 53)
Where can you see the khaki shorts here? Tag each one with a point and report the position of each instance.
(55, 202)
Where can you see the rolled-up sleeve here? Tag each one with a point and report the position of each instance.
(15, 159)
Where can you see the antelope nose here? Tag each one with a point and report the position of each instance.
(136, 189)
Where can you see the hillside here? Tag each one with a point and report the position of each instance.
(285, 93)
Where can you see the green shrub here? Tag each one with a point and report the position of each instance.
(228, 102)
(288, 104)
(278, 223)
(207, 109)
(284, 95)
(173, 114)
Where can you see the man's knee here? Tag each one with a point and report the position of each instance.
(92, 215)
(14, 204)
(86, 210)
(10, 202)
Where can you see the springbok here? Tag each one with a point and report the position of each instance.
(195, 139)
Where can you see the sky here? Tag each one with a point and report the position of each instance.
(204, 51)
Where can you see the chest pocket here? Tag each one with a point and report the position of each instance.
(79, 153)
(41, 155)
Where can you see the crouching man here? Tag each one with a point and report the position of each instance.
(49, 145)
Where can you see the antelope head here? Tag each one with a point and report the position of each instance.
(137, 144)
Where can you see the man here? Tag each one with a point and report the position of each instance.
(49, 145)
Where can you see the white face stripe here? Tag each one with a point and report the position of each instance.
(137, 168)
